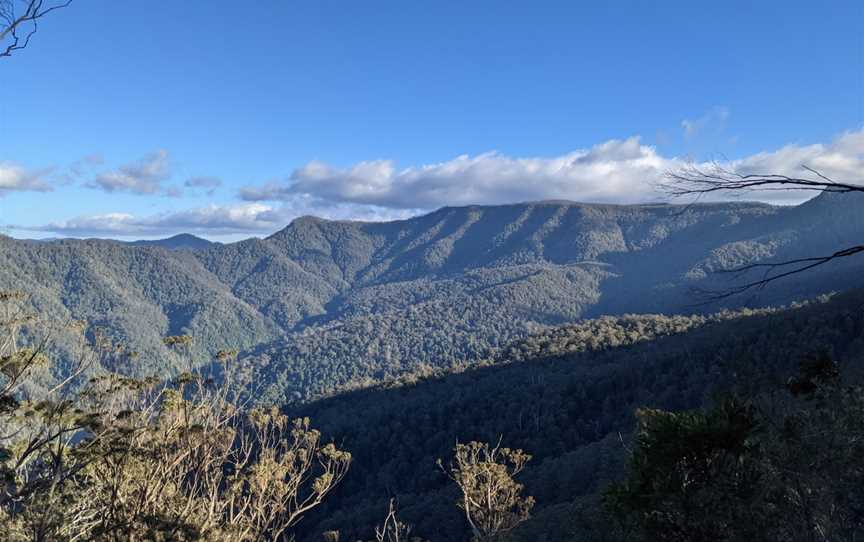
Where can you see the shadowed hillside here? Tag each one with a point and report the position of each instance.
(567, 396)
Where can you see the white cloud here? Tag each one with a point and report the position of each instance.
(144, 177)
(247, 218)
(841, 160)
(715, 118)
(616, 171)
(15, 178)
(212, 220)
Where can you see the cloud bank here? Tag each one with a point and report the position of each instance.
(841, 160)
(616, 171)
(214, 220)
(605, 172)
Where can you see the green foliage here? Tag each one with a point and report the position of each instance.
(694, 475)
(773, 468)
(569, 399)
(323, 307)
(443, 328)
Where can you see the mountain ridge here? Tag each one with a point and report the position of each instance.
(320, 304)
(178, 242)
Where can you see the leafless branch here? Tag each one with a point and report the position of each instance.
(18, 26)
(773, 272)
(698, 181)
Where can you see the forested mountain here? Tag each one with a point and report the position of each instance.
(326, 305)
(568, 397)
(178, 242)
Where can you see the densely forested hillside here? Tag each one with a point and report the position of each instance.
(568, 397)
(323, 306)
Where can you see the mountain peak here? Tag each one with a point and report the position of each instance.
(181, 241)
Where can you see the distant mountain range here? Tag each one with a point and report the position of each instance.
(326, 305)
(181, 241)
(177, 242)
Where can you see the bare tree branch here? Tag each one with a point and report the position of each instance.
(695, 180)
(698, 181)
(782, 271)
(17, 26)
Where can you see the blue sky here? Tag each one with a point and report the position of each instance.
(143, 119)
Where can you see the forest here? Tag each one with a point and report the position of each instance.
(364, 272)
(575, 421)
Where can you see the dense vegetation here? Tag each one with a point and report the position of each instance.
(572, 410)
(446, 359)
(142, 459)
(560, 406)
(784, 465)
(322, 307)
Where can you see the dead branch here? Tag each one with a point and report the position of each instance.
(18, 26)
(698, 181)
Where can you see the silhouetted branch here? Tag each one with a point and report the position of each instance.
(695, 180)
(18, 26)
(805, 265)
(698, 181)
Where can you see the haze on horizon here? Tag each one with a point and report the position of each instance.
(383, 110)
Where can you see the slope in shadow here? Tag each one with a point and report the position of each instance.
(564, 406)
